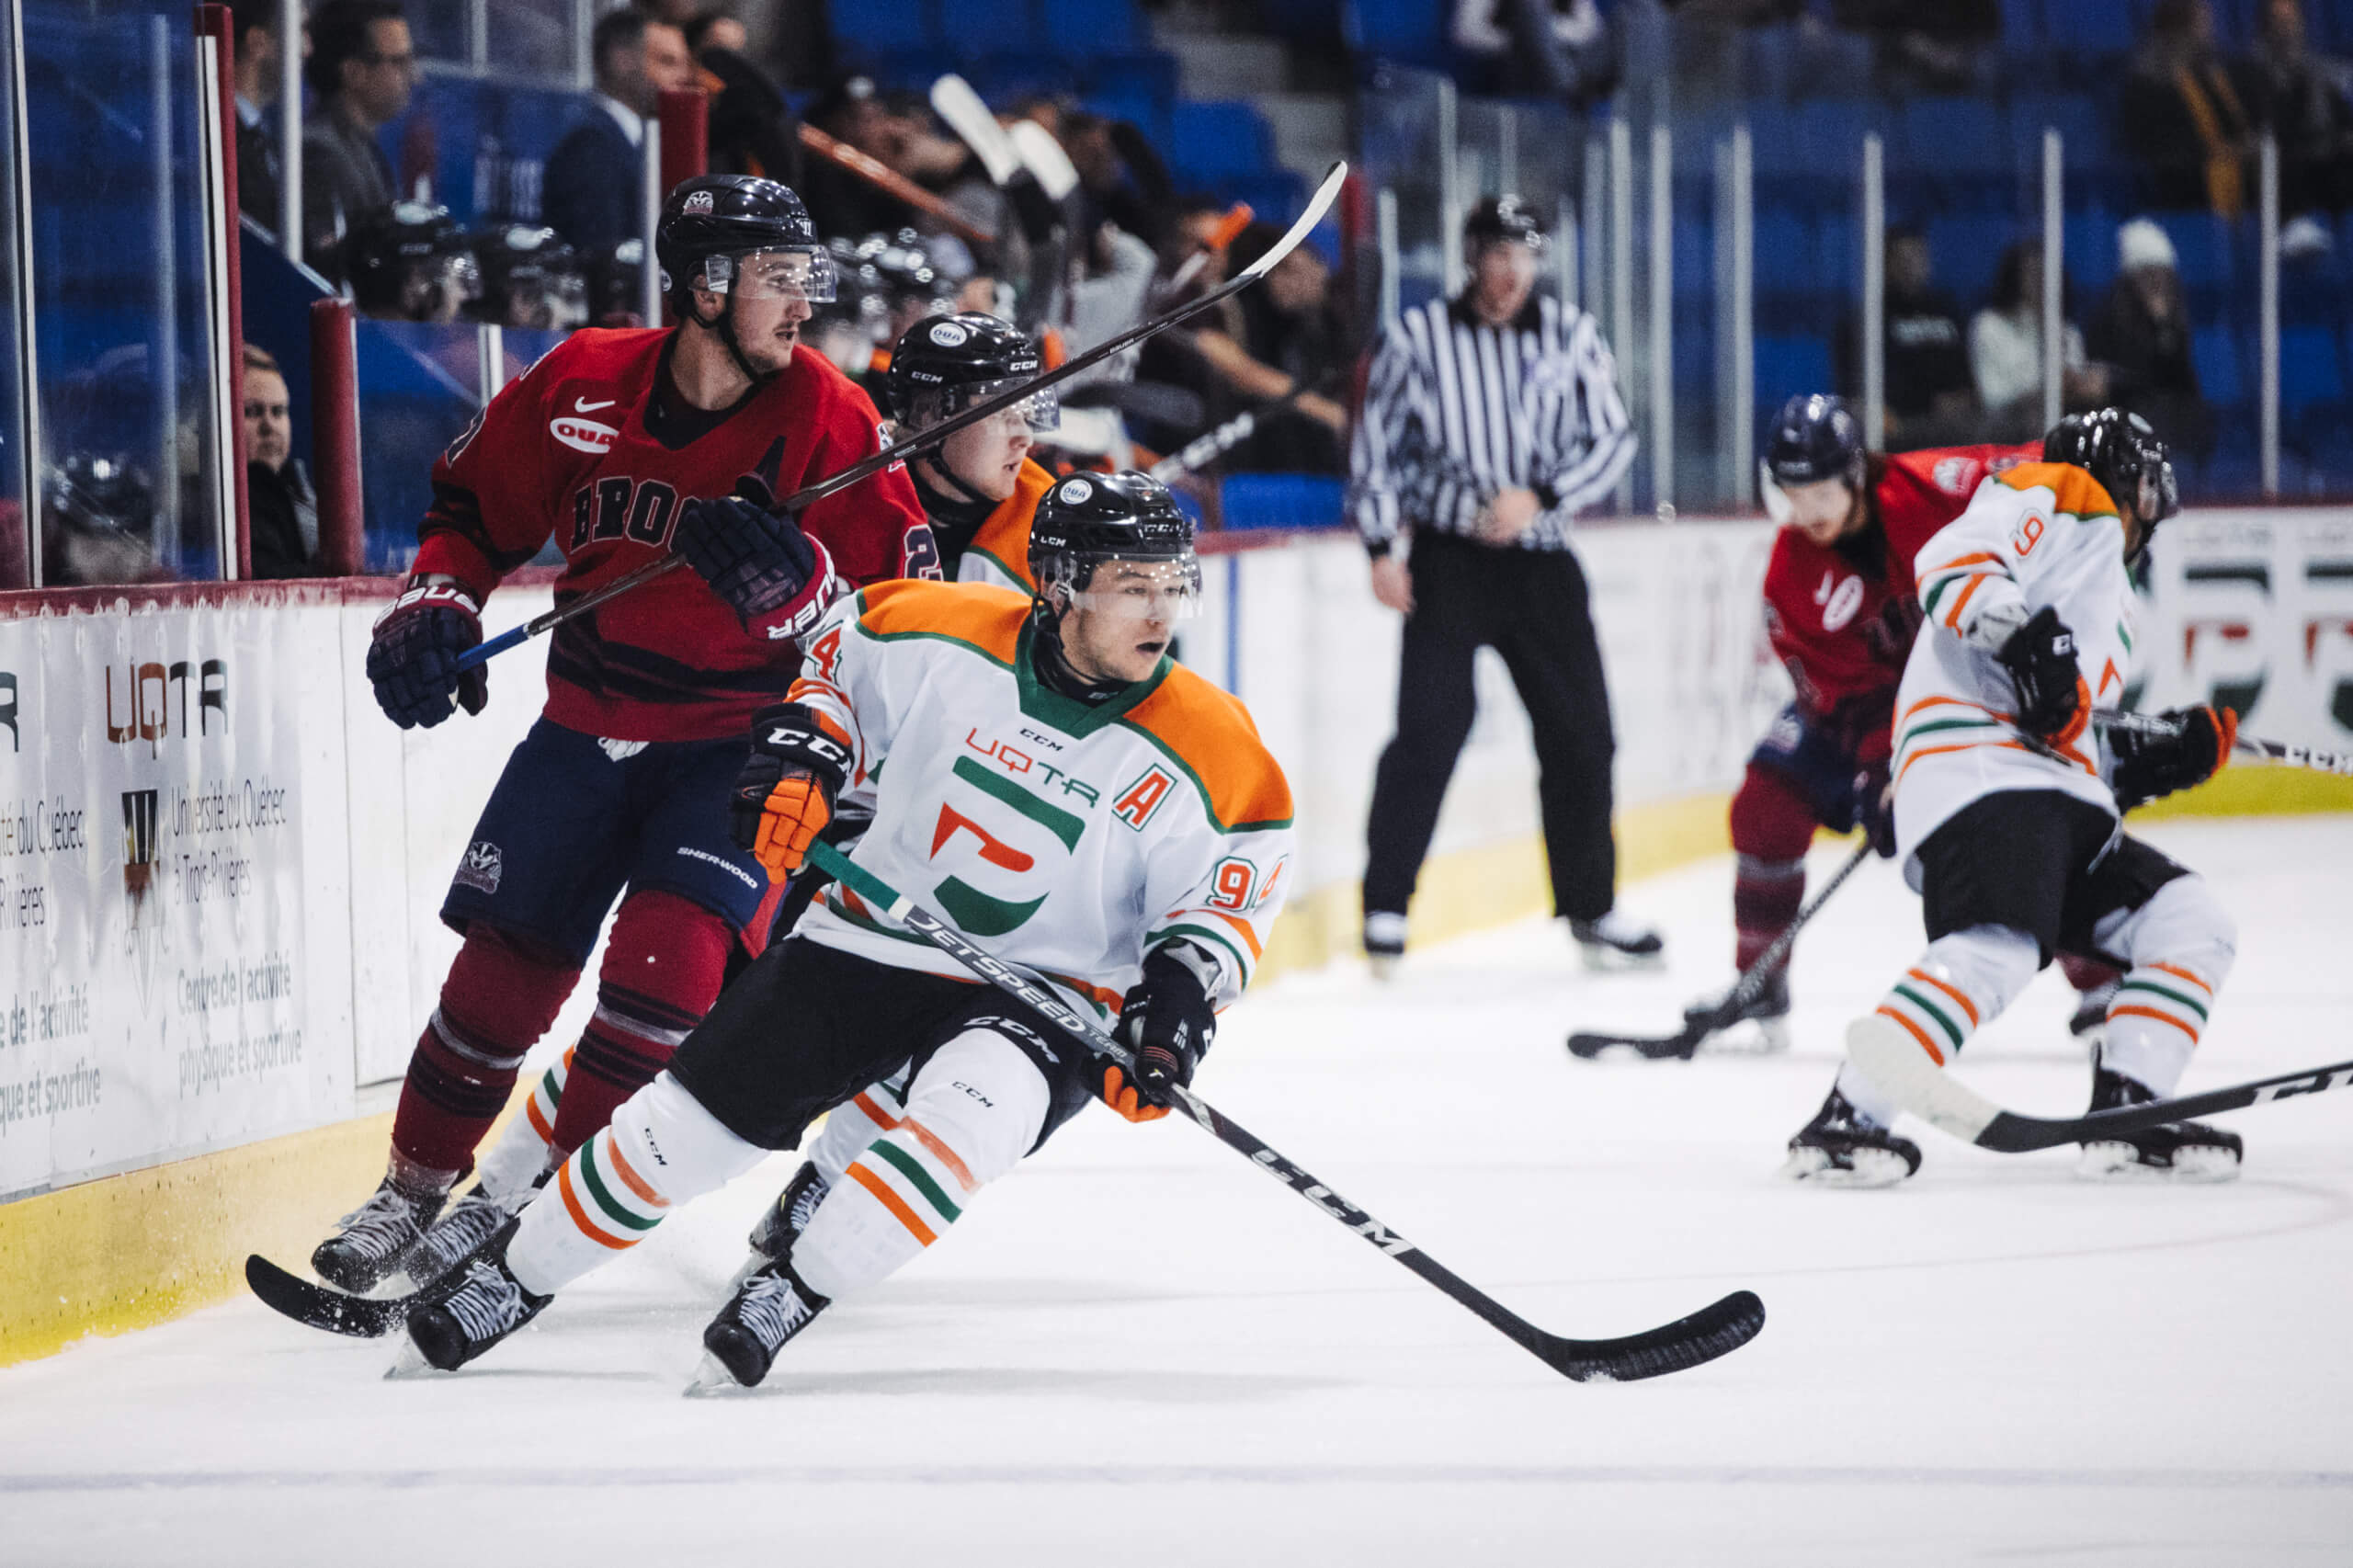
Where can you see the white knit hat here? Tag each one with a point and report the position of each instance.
(2142, 244)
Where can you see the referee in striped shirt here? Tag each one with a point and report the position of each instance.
(1490, 421)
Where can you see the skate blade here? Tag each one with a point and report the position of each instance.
(1865, 1168)
(1600, 958)
(1384, 966)
(2122, 1163)
(713, 1379)
(1752, 1036)
(409, 1363)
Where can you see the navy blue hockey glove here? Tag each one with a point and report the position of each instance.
(786, 790)
(413, 658)
(771, 574)
(2148, 766)
(1165, 1018)
(1875, 810)
(2055, 704)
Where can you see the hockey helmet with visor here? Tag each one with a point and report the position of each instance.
(1815, 442)
(2122, 451)
(945, 365)
(1117, 545)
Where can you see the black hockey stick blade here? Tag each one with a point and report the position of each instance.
(1680, 1046)
(1688, 1342)
(1895, 1061)
(1712, 1331)
(316, 1306)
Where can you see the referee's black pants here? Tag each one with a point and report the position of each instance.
(1530, 605)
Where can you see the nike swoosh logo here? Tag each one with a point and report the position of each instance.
(582, 406)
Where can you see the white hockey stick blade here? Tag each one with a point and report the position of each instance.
(1044, 157)
(967, 117)
(1893, 1059)
(1317, 205)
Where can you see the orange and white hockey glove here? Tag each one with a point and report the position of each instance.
(785, 792)
(1120, 1095)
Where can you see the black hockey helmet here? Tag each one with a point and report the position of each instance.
(1814, 438)
(1504, 218)
(2123, 453)
(856, 322)
(530, 279)
(715, 217)
(943, 365)
(412, 261)
(910, 272)
(1090, 519)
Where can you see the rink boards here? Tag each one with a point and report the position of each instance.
(220, 867)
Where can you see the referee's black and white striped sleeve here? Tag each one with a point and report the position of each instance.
(1587, 441)
(1395, 400)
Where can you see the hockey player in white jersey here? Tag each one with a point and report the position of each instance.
(1049, 781)
(2008, 804)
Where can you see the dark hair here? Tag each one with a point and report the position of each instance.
(339, 33)
(700, 28)
(624, 28)
(2009, 279)
(247, 16)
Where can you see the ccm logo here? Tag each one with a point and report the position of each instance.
(583, 435)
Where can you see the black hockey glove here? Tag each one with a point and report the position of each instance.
(2053, 704)
(1165, 1018)
(412, 656)
(785, 791)
(2148, 766)
(1875, 810)
(757, 561)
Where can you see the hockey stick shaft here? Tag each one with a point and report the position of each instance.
(885, 179)
(1206, 448)
(932, 436)
(1721, 1328)
(2313, 757)
(1752, 981)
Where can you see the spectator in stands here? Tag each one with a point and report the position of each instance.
(2307, 101)
(1293, 343)
(1555, 48)
(361, 71)
(1924, 46)
(2006, 352)
(257, 68)
(2183, 115)
(1930, 398)
(595, 193)
(281, 509)
(716, 30)
(2141, 335)
(854, 110)
(1121, 173)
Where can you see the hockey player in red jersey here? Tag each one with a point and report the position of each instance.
(622, 447)
(1841, 612)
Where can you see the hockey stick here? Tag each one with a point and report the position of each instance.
(1206, 448)
(1228, 229)
(883, 177)
(2319, 761)
(1707, 1334)
(316, 1306)
(924, 439)
(1682, 1045)
(1896, 1063)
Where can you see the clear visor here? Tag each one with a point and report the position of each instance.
(1142, 590)
(1039, 412)
(2160, 493)
(772, 275)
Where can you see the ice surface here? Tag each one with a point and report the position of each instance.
(1139, 1350)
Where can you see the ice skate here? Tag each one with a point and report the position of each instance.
(771, 1238)
(1769, 1011)
(1842, 1147)
(1614, 943)
(770, 1308)
(2176, 1151)
(469, 1222)
(1384, 944)
(372, 1242)
(474, 1306)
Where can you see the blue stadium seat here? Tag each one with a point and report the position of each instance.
(1968, 253)
(1218, 139)
(2078, 117)
(2310, 372)
(1783, 250)
(1695, 255)
(1143, 71)
(1281, 501)
(1773, 140)
(1837, 256)
(2215, 352)
(989, 26)
(1963, 135)
(2090, 248)
(2098, 26)
(1787, 366)
(875, 28)
(1276, 196)
(2022, 26)
(1830, 136)
(1413, 31)
(1079, 30)
(1147, 112)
